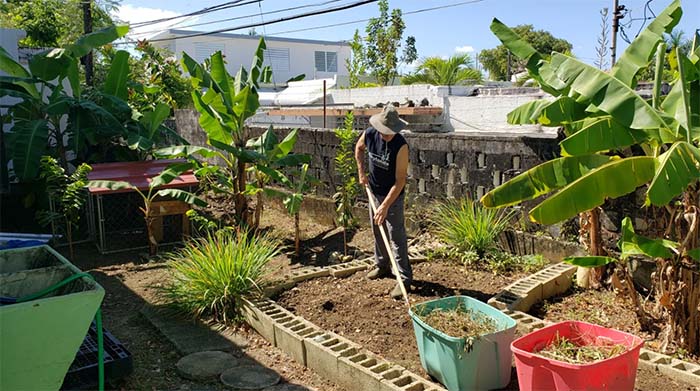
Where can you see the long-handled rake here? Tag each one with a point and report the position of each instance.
(385, 237)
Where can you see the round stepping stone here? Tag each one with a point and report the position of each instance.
(250, 377)
(205, 365)
(287, 387)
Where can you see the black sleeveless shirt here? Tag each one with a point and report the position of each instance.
(382, 160)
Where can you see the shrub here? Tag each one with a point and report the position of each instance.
(468, 226)
(503, 262)
(211, 275)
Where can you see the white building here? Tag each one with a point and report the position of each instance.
(288, 57)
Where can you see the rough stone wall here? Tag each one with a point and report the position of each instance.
(441, 164)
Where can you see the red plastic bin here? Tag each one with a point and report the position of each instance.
(539, 373)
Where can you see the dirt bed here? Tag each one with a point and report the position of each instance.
(362, 311)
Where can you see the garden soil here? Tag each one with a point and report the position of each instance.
(362, 311)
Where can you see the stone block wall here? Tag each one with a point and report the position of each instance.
(440, 164)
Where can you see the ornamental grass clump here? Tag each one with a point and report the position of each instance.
(211, 275)
(468, 226)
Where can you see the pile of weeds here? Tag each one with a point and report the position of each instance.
(577, 351)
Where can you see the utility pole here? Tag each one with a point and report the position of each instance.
(87, 28)
(508, 67)
(617, 15)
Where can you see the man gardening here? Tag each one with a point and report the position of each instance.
(388, 167)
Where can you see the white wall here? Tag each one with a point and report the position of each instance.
(461, 112)
(239, 51)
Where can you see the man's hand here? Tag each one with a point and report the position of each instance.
(380, 214)
(363, 179)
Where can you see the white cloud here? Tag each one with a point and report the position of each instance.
(464, 49)
(134, 14)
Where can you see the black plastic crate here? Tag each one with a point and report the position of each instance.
(83, 372)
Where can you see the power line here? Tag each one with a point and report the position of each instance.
(365, 20)
(203, 11)
(246, 16)
(285, 19)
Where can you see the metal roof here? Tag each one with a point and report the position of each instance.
(268, 38)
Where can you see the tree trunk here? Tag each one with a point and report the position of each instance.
(296, 234)
(241, 200)
(69, 236)
(152, 242)
(345, 241)
(677, 282)
(259, 205)
(596, 247)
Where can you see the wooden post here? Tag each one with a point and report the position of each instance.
(324, 104)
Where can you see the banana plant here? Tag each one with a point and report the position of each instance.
(603, 117)
(149, 195)
(297, 186)
(50, 117)
(274, 154)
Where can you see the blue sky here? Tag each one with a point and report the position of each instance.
(438, 33)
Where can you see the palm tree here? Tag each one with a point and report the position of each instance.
(455, 70)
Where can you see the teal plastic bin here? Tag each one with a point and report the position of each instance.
(487, 365)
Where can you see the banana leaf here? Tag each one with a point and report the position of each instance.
(589, 261)
(609, 94)
(183, 196)
(677, 168)
(118, 75)
(560, 111)
(93, 40)
(545, 178)
(602, 135)
(535, 64)
(632, 244)
(612, 180)
(27, 143)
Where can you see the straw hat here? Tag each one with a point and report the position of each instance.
(388, 122)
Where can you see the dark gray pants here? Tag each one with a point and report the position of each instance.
(396, 230)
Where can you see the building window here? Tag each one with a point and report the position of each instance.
(204, 50)
(326, 61)
(277, 59)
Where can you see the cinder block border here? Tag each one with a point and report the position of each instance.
(346, 363)
(526, 292)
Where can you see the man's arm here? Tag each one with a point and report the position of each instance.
(360, 160)
(401, 174)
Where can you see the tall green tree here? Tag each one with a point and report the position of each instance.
(603, 117)
(53, 23)
(438, 71)
(356, 64)
(383, 44)
(495, 60)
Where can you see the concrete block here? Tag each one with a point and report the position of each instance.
(409, 381)
(556, 281)
(355, 371)
(290, 334)
(681, 370)
(350, 268)
(307, 273)
(323, 350)
(258, 320)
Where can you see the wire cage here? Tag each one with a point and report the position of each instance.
(115, 217)
(117, 224)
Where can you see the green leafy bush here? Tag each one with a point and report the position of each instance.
(502, 262)
(211, 275)
(468, 226)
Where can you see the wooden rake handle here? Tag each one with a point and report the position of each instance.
(385, 237)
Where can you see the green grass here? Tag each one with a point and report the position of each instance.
(210, 275)
(469, 226)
